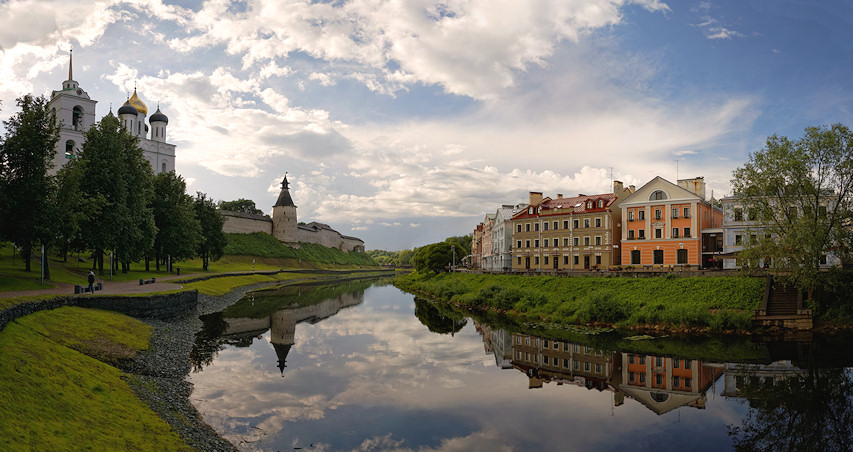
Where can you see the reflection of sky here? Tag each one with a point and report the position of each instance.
(373, 377)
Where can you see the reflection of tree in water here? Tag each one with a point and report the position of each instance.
(442, 321)
(812, 411)
(208, 341)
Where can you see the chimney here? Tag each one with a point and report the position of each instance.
(559, 196)
(535, 198)
(632, 188)
(695, 185)
(618, 188)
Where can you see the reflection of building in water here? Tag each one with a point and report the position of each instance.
(282, 323)
(663, 383)
(739, 375)
(545, 360)
(498, 343)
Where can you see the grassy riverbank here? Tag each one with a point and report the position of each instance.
(671, 303)
(61, 390)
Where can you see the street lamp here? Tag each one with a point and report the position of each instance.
(453, 262)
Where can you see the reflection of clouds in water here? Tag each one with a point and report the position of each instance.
(374, 362)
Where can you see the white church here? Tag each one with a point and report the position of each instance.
(75, 113)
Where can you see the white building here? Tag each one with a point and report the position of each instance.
(502, 237)
(75, 113)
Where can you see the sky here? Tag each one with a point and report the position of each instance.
(405, 122)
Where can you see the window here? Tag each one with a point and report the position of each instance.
(518, 244)
(598, 260)
(681, 256)
(577, 260)
(598, 222)
(675, 212)
(576, 223)
(676, 382)
(658, 233)
(69, 149)
(675, 233)
(630, 234)
(687, 382)
(527, 243)
(527, 227)
(518, 227)
(687, 232)
(576, 241)
(565, 260)
(545, 343)
(519, 260)
(589, 204)
(565, 241)
(164, 167)
(687, 212)
(598, 368)
(565, 363)
(565, 224)
(545, 226)
(536, 260)
(675, 363)
(518, 340)
(576, 365)
(738, 214)
(586, 222)
(556, 223)
(536, 243)
(536, 226)
(686, 364)
(635, 257)
(642, 378)
(657, 255)
(586, 367)
(658, 379)
(657, 214)
(632, 376)
(630, 215)
(641, 234)
(657, 195)
(598, 240)
(823, 259)
(642, 359)
(641, 215)
(586, 241)
(526, 341)
(546, 260)
(658, 361)
(530, 210)
(600, 203)
(546, 243)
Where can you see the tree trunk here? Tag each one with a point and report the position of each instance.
(99, 256)
(27, 252)
(147, 262)
(157, 258)
(46, 263)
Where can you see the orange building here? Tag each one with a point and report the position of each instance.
(662, 223)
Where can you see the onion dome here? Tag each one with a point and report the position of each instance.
(137, 102)
(158, 116)
(128, 109)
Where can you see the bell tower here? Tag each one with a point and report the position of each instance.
(75, 113)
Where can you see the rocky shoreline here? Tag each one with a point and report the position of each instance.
(158, 375)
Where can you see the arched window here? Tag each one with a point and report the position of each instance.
(589, 204)
(660, 397)
(657, 195)
(77, 117)
(600, 203)
(164, 167)
(69, 149)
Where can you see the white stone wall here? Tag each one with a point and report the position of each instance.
(235, 224)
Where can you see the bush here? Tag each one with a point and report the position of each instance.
(602, 306)
(435, 257)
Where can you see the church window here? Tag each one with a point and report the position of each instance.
(77, 117)
(164, 167)
(69, 149)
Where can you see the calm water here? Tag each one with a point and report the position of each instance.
(361, 366)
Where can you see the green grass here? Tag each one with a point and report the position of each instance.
(264, 245)
(59, 394)
(714, 303)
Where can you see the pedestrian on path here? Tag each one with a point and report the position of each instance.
(91, 281)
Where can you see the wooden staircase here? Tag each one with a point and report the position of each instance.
(782, 307)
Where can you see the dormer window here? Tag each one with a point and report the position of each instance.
(530, 210)
(600, 203)
(589, 204)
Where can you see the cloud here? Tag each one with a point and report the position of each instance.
(713, 30)
(685, 152)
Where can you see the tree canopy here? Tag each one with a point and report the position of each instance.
(26, 157)
(213, 239)
(800, 194)
(241, 205)
(435, 257)
(178, 230)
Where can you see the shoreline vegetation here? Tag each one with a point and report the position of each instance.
(719, 305)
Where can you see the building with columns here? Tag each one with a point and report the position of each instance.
(75, 112)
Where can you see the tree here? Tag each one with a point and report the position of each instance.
(178, 229)
(463, 244)
(241, 205)
(73, 209)
(404, 258)
(213, 239)
(26, 157)
(800, 193)
(435, 257)
(112, 166)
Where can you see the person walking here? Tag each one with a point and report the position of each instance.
(91, 281)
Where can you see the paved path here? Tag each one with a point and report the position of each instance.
(110, 287)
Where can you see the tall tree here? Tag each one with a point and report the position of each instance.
(800, 192)
(25, 160)
(73, 209)
(241, 205)
(112, 166)
(178, 230)
(213, 238)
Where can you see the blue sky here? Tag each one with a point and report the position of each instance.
(405, 122)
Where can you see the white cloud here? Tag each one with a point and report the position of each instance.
(713, 30)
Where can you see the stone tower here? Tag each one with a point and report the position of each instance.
(284, 215)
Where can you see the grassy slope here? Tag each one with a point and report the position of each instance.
(59, 393)
(718, 303)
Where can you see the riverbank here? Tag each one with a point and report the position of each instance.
(663, 305)
(156, 375)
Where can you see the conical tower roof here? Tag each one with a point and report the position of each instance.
(284, 199)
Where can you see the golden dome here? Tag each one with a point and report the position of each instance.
(138, 104)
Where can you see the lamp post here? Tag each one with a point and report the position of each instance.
(453, 262)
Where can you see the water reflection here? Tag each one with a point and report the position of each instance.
(369, 369)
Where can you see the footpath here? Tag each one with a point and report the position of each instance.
(109, 287)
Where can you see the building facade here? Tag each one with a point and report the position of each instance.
(502, 237)
(75, 113)
(582, 232)
(662, 223)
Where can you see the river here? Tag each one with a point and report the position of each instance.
(365, 366)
